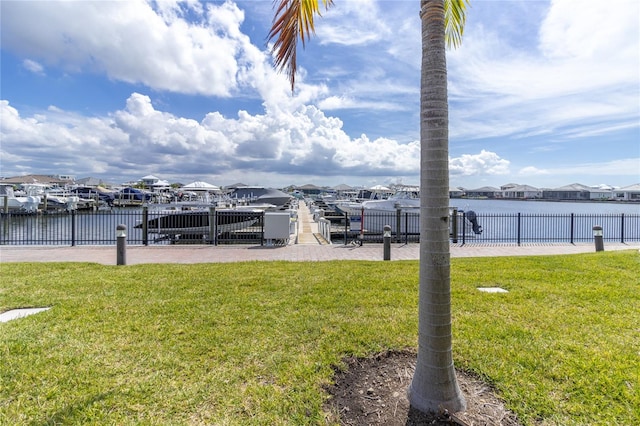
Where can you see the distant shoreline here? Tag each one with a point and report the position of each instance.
(547, 200)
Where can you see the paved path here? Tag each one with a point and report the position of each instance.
(306, 246)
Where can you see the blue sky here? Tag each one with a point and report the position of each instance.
(544, 93)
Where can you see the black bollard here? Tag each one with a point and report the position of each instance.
(597, 238)
(386, 242)
(121, 246)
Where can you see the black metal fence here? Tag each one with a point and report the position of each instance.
(145, 226)
(552, 228)
(467, 227)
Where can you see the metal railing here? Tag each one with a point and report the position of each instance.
(515, 228)
(552, 228)
(144, 227)
(324, 228)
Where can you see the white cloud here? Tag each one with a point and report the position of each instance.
(624, 167)
(132, 42)
(485, 162)
(33, 66)
(142, 138)
(359, 22)
(586, 70)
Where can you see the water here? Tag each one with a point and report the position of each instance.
(544, 207)
(549, 221)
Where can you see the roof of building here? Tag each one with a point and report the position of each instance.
(35, 179)
(578, 187)
(634, 187)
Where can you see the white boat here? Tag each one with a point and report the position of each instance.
(52, 199)
(14, 203)
(401, 212)
(249, 195)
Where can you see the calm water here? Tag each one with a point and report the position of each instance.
(543, 207)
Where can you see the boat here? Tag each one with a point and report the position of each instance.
(128, 196)
(260, 195)
(194, 224)
(401, 212)
(11, 203)
(101, 195)
(49, 199)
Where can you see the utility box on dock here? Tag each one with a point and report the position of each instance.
(276, 227)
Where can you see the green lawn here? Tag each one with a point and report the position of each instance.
(255, 342)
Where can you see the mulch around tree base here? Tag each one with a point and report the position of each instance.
(373, 391)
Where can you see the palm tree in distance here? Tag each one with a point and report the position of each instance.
(434, 386)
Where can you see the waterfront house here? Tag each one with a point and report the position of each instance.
(484, 192)
(455, 192)
(52, 181)
(149, 181)
(628, 193)
(92, 182)
(602, 192)
(522, 192)
(573, 192)
(508, 186)
(310, 190)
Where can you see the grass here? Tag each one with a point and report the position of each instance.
(255, 342)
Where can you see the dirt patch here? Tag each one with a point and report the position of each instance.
(373, 391)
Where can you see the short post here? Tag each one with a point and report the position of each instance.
(121, 246)
(386, 242)
(597, 238)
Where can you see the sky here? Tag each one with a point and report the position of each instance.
(543, 93)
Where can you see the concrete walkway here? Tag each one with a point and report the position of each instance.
(306, 246)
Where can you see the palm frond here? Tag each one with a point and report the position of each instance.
(455, 17)
(293, 19)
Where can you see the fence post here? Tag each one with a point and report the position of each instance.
(622, 228)
(212, 225)
(145, 225)
(464, 227)
(262, 229)
(73, 228)
(346, 228)
(572, 228)
(398, 225)
(454, 226)
(519, 227)
(406, 228)
(361, 226)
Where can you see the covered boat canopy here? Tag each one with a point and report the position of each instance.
(200, 186)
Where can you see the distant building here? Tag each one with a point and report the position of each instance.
(600, 193)
(484, 192)
(39, 179)
(310, 189)
(455, 192)
(627, 193)
(522, 192)
(92, 182)
(573, 192)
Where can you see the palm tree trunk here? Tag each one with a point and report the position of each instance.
(434, 385)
